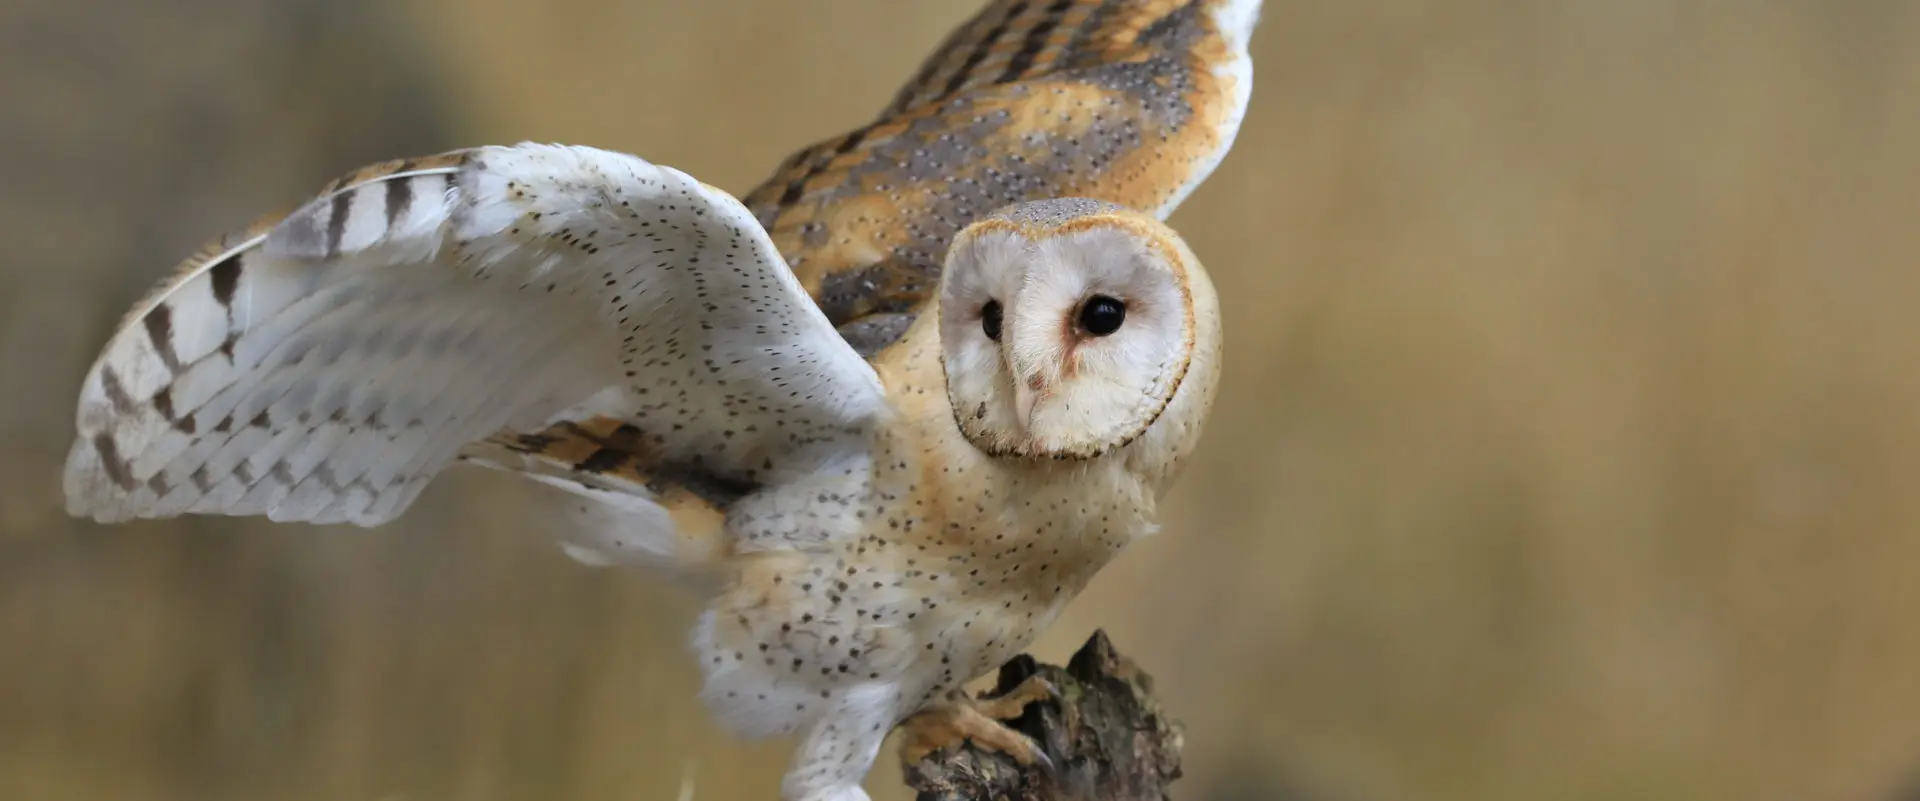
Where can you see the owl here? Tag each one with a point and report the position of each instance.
(891, 411)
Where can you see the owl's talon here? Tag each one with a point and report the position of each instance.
(962, 719)
(1044, 762)
(1014, 702)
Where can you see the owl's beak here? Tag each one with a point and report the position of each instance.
(1025, 399)
(1030, 381)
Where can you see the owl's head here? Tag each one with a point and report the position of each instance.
(1071, 328)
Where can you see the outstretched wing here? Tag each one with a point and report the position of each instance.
(1130, 101)
(324, 366)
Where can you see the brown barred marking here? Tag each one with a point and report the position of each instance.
(226, 278)
(798, 185)
(116, 392)
(116, 468)
(908, 95)
(1036, 40)
(337, 221)
(163, 403)
(159, 325)
(981, 49)
(399, 197)
(225, 257)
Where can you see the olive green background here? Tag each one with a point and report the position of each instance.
(1566, 447)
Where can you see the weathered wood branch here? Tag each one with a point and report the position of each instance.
(1107, 737)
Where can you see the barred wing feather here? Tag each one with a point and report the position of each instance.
(324, 366)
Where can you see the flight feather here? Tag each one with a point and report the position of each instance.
(322, 367)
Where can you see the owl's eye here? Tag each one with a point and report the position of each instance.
(990, 320)
(1102, 315)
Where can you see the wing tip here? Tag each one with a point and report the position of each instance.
(88, 491)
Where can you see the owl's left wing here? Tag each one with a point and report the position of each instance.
(324, 366)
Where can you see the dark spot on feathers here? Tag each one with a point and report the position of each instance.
(116, 391)
(226, 278)
(163, 401)
(601, 461)
(337, 221)
(159, 325)
(117, 470)
(399, 197)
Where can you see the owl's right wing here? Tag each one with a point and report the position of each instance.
(1133, 102)
(324, 366)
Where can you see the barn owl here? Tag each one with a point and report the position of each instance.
(893, 409)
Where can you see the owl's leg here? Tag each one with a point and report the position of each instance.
(963, 718)
(840, 747)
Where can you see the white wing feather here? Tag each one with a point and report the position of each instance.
(324, 367)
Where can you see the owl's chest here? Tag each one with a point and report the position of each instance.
(999, 579)
(985, 625)
(898, 583)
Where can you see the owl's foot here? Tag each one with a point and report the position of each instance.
(962, 718)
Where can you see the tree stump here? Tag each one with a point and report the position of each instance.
(1106, 736)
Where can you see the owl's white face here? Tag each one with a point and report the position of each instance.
(1066, 341)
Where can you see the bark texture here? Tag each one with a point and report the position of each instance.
(1107, 737)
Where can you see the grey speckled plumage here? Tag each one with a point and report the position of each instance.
(1053, 212)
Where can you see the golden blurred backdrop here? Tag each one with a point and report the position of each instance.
(1569, 409)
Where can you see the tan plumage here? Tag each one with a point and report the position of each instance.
(888, 486)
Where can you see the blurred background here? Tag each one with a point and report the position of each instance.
(1564, 451)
